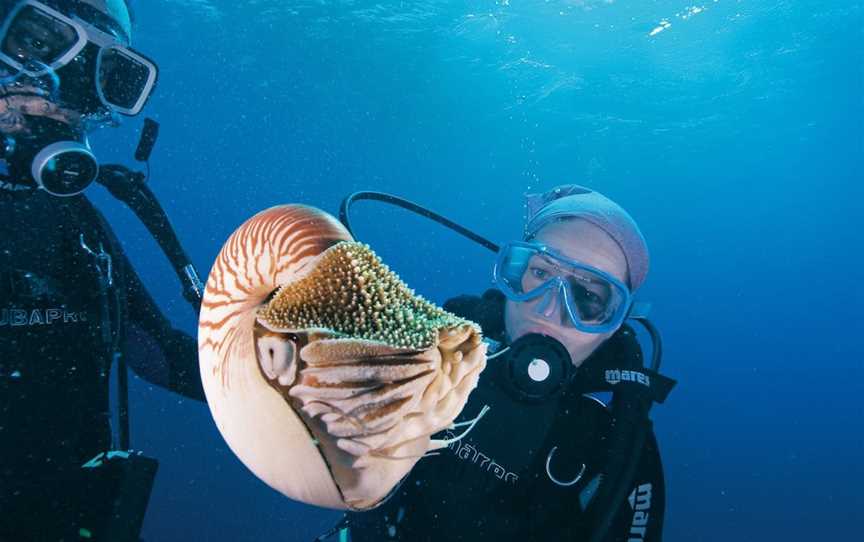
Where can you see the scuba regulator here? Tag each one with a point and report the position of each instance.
(53, 155)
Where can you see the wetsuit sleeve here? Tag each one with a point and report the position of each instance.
(640, 517)
(157, 352)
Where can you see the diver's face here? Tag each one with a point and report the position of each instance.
(584, 242)
(64, 94)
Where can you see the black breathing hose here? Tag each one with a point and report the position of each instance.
(345, 208)
(656, 341)
(629, 433)
(131, 188)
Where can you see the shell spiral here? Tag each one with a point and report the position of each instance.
(269, 249)
(326, 375)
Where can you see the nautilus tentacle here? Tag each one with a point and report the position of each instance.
(325, 374)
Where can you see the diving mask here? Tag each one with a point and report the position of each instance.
(36, 39)
(590, 299)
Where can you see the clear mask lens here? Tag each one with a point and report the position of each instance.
(35, 38)
(125, 78)
(593, 299)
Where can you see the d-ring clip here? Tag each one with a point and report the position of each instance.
(557, 481)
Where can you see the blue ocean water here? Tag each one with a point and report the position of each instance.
(730, 129)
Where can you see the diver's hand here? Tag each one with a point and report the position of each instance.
(17, 102)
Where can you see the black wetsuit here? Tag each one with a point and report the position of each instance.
(58, 329)
(496, 484)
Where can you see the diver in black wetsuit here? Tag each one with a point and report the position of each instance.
(70, 302)
(538, 463)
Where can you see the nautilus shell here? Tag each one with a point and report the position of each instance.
(324, 373)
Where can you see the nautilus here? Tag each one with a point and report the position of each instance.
(325, 374)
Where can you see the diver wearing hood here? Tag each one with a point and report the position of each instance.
(70, 302)
(64, 71)
(545, 460)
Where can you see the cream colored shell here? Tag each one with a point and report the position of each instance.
(330, 388)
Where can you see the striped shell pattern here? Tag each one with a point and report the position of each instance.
(324, 373)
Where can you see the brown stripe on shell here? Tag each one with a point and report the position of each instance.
(269, 249)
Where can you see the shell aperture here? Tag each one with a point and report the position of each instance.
(331, 379)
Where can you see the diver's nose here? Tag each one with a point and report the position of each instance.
(548, 305)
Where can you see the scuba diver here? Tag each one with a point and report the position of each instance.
(71, 305)
(545, 459)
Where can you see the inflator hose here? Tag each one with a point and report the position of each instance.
(131, 188)
(630, 429)
(345, 219)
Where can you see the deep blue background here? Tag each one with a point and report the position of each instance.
(734, 136)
